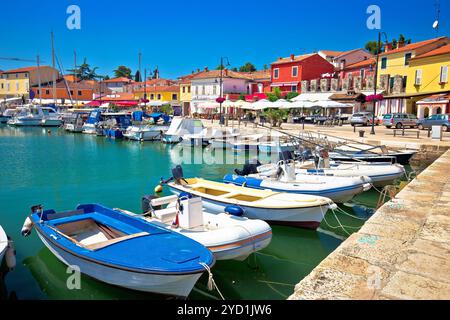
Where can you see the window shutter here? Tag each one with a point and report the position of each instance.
(444, 74)
(418, 81)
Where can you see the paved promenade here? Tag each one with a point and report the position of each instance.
(401, 252)
(383, 136)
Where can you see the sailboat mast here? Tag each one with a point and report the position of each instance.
(39, 79)
(54, 67)
(75, 76)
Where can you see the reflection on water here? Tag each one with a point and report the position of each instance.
(61, 170)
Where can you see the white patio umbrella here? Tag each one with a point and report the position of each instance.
(330, 104)
(298, 105)
(281, 103)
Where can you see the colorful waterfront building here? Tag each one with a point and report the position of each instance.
(18, 82)
(428, 74)
(342, 59)
(205, 88)
(69, 92)
(117, 84)
(394, 75)
(288, 73)
(159, 95)
(185, 91)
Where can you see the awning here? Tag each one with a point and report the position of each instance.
(284, 84)
(436, 98)
(93, 104)
(313, 96)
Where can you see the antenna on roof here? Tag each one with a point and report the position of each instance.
(438, 11)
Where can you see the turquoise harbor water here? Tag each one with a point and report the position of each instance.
(60, 170)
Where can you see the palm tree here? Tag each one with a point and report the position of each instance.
(85, 72)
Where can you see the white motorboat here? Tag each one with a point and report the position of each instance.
(181, 126)
(226, 235)
(285, 179)
(145, 132)
(207, 134)
(75, 121)
(3, 243)
(275, 207)
(90, 126)
(50, 118)
(7, 115)
(27, 116)
(381, 173)
(147, 127)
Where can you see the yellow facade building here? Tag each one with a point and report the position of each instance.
(18, 82)
(394, 75)
(429, 74)
(158, 95)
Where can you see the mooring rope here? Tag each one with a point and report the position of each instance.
(211, 283)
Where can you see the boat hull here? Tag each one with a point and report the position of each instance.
(51, 123)
(400, 158)
(306, 217)
(340, 194)
(3, 244)
(172, 139)
(26, 122)
(177, 285)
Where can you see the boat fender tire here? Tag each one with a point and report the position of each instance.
(147, 205)
(234, 210)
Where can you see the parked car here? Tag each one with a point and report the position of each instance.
(400, 120)
(361, 118)
(435, 120)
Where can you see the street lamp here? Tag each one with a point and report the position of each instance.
(220, 100)
(375, 96)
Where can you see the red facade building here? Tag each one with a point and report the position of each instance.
(287, 73)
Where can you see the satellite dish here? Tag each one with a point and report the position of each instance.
(435, 24)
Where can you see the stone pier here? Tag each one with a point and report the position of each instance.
(401, 252)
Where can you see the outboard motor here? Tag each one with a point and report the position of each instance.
(146, 204)
(177, 174)
(250, 167)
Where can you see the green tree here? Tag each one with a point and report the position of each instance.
(241, 96)
(291, 95)
(166, 108)
(137, 76)
(371, 46)
(275, 116)
(106, 77)
(275, 95)
(85, 72)
(122, 71)
(247, 67)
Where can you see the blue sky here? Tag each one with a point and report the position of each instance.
(181, 36)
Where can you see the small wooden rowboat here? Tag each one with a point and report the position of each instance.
(122, 250)
(275, 207)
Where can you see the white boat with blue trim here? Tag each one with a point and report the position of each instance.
(284, 179)
(274, 207)
(381, 173)
(121, 250)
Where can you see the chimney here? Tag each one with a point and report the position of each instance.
(387, 47)
(401, 44)
(292, 57)
(198, 70)
(206, 69)
(225, 72)
(280, 58)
